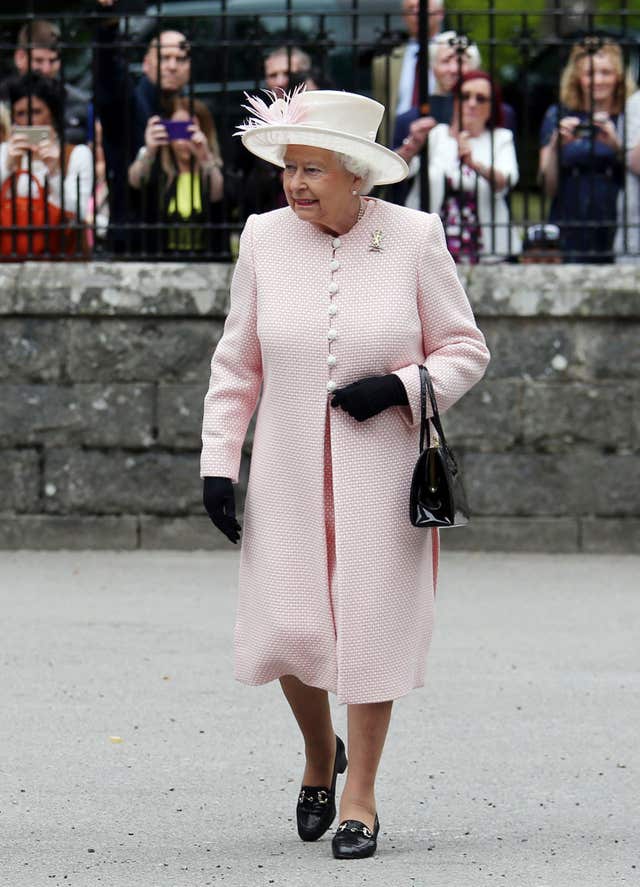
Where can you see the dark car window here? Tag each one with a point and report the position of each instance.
(231, 38)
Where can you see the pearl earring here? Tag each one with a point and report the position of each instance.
(355, 193)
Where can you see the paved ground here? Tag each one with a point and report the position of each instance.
(129, 757)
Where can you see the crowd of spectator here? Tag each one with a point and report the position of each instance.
(137, 168)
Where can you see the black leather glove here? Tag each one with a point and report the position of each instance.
(368, 397)
(220, 504)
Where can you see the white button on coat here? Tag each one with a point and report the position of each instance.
(331, 385)
(335, 243)
(333, 288)
(335, 264)
(332, 335)
(333, 309)
(332, 360)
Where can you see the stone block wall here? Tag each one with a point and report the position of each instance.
(103, 368)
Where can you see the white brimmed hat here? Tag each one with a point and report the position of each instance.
(336, 121)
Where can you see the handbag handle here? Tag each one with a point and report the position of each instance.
(426, 388)
(13, 178)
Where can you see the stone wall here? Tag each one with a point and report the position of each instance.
(103, 368)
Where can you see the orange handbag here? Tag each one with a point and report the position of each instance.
(38, 224)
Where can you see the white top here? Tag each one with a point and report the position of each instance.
(632, 188)
(79, 170)
(444, 164)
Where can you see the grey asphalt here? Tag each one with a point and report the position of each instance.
(129, 756)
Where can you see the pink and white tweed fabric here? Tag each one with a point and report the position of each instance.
(336, 586)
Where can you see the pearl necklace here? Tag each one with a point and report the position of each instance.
(361, 211)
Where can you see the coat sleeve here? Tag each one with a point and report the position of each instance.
(454, 348)
(236, 373)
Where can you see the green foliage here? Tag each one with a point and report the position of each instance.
(517, 30)
(506, 37)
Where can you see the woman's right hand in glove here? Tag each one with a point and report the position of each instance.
(220, 504)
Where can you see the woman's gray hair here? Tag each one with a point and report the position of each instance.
(450, 39)
(358, 168)
(351, 164)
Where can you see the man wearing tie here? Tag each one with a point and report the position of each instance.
(394, 79)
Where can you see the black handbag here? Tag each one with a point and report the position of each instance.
(437, 496)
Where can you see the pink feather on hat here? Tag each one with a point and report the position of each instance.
(285, 108)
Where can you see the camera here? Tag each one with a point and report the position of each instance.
(542, 245)
(547, 234)
(585, 131)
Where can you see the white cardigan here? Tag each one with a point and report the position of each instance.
(79, 171)
(632, 189)
(444, 163)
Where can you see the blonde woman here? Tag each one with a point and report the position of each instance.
(181, 174)
(581, 164)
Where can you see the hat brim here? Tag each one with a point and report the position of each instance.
(386, 166)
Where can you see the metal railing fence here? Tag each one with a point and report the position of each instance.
(590, 212)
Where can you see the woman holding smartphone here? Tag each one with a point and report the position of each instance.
(41, 166)
(179, 170)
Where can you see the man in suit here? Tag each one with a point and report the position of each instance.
(394, 75)
(282, 62)
(258, 183)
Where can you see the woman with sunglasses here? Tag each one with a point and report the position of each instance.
(472, 167)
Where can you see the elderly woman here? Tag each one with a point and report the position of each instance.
(581, 156)
(472, 167)
(335, 301)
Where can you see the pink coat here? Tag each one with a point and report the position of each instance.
(336, 586)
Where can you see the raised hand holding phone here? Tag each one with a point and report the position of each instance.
(48, 151)
(17, 146)
(199, 145)
(155, 135)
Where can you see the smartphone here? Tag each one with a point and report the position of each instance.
(177, 129)
(34, 134)
(545, 234)
(585, 131)
(440, 107)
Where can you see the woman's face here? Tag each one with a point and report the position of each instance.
(40, 113)
(475, 101)
(317, 186)
(597, 76)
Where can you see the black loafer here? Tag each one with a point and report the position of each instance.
(316, 808)
(353, 840)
